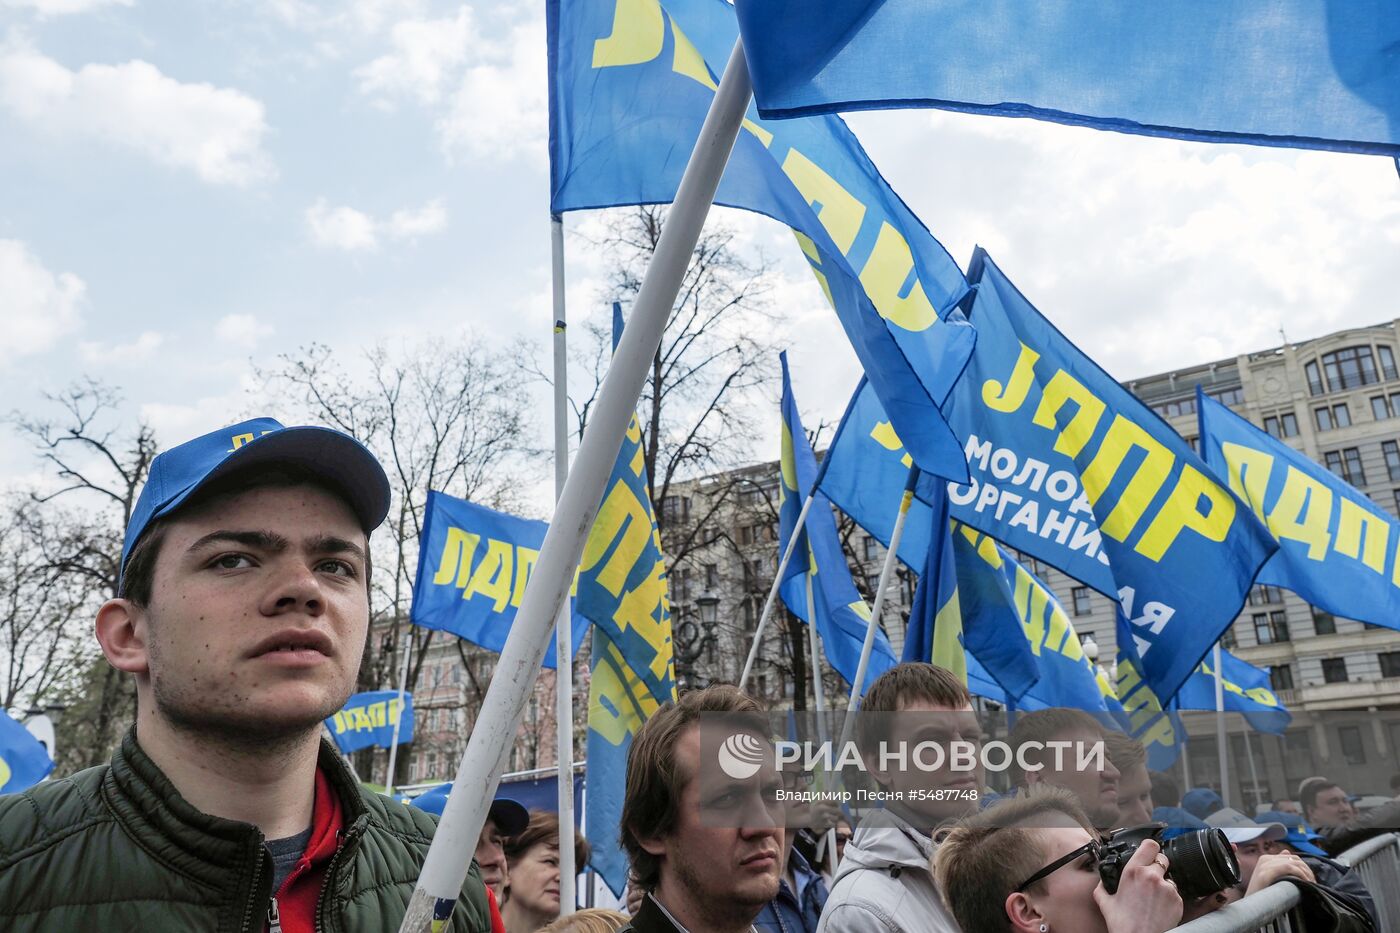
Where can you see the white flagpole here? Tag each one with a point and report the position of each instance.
(449, 856)
(407, 641)
(886, 572)
(1224, 746)
(827, 847)
(773, 592)
(563, 624)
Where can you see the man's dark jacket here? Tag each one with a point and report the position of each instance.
(117, 848)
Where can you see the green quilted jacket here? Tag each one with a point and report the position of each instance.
(117, 848)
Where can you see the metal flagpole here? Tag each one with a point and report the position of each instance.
(1253, 770)
(563, 623)
(886, 572)
(773, 592)
(449, 856)
(1220, 739)
(827, 847)
(394, 742)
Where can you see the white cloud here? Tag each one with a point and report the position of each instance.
(500, 108)
(40, 307)
(215, 132)
(241, 330)
(428, 219)
(62, 7)
(340, 227)
(346, 228)
(136, 351)
(425, 53)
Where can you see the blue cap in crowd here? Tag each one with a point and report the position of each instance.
(1297, 837)
(510, 816)
(1201, 802)
(180, 472)
(1178, 821)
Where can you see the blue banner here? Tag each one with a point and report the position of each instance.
(473, 563)
(1069, 467)
(1317, 75)
(1145, 717)
(1245, 689)
(841, 615)
(622, 588)
(1337, 548)
(24, 761)
(630, 84)
(368, 719)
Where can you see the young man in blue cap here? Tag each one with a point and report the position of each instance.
(506, 818)
(242, 615)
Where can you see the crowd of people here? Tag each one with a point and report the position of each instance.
(242, 617)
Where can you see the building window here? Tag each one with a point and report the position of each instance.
(1392, 459)
(1352, 749)
(1282, 425)
(1334, 670)
(1262, 595)
(869, 547)
(1083, 602)
(1270, 627)
(1387, 362)
(1281, 677)
(1194, 442)
(1234, 396)
(1228, 641)
(675, 510)
(680, 584)
(1346, 463)
(1185, 406)
(1380, 407)
(1390, 663)
(1315, 386)
(1323, 622)
(1350, 368)
(711, 577)
(1337, 416)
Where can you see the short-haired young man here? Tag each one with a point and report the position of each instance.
(1329, 810)
(699, 876)
(883, 882)
(1129, 756)
(243, 614)
(1028, 864)
(1096, 787)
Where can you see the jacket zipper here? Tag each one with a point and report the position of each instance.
(274, 917)
(249, 912)
(347, 837)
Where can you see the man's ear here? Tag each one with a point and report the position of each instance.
(121, 631)
(1025, 917)
(651, 844)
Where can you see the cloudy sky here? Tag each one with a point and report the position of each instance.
(188, 189)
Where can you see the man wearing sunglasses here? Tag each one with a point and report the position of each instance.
(1029, 864)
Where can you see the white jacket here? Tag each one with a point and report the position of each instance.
(883, 884)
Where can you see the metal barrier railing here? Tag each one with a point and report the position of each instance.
(1376, 860)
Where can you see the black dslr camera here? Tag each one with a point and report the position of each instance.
(1201, 861)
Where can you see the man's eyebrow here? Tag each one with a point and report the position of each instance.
(263, 540)
(331, 544)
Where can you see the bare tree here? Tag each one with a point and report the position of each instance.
(447, 417)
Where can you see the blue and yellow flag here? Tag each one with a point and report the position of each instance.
(1337, 548)
(622, 588)
(1287, 73)
(935, 629)
(840, 614)
(24, 761)
(1146, 717)
(1070, 467)
(630, 84)
(473, 563)
(368, 719)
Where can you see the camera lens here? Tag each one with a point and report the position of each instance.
(1202, 862)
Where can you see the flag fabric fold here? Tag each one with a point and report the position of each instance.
(837, 608)
(1338, 549)
(630, 84)
(24, 761)
(1301, 73)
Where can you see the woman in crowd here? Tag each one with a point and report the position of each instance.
(531, 899)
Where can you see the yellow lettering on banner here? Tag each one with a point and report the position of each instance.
(1159, 733)
(1182, 510)
(395, 708)
(362, 720)
(638, 33)
(1090, 408)
(1262, 696)
(983, 546)
(456, 559)
(1302, 513)
(644, 610)
(841, 214)
(1248, 472)
(622, 518)
(814, 259)
(5, 772)
(634, 437)
(883, 434)
(688, 62)
(1124, 435)
(787, 469)
(239, 440)
(1358, 525)
(624, 691)
(493, 575)
(1009, 397)
(341, 724)
(883, 277)
(525, 558)
(1032, 615)
(1060, 636)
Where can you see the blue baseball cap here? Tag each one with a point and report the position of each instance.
(1201, 802)
(1297, 837)
(510, 816)
(180, 472)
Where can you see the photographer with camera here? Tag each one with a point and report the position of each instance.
(1035, 864)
